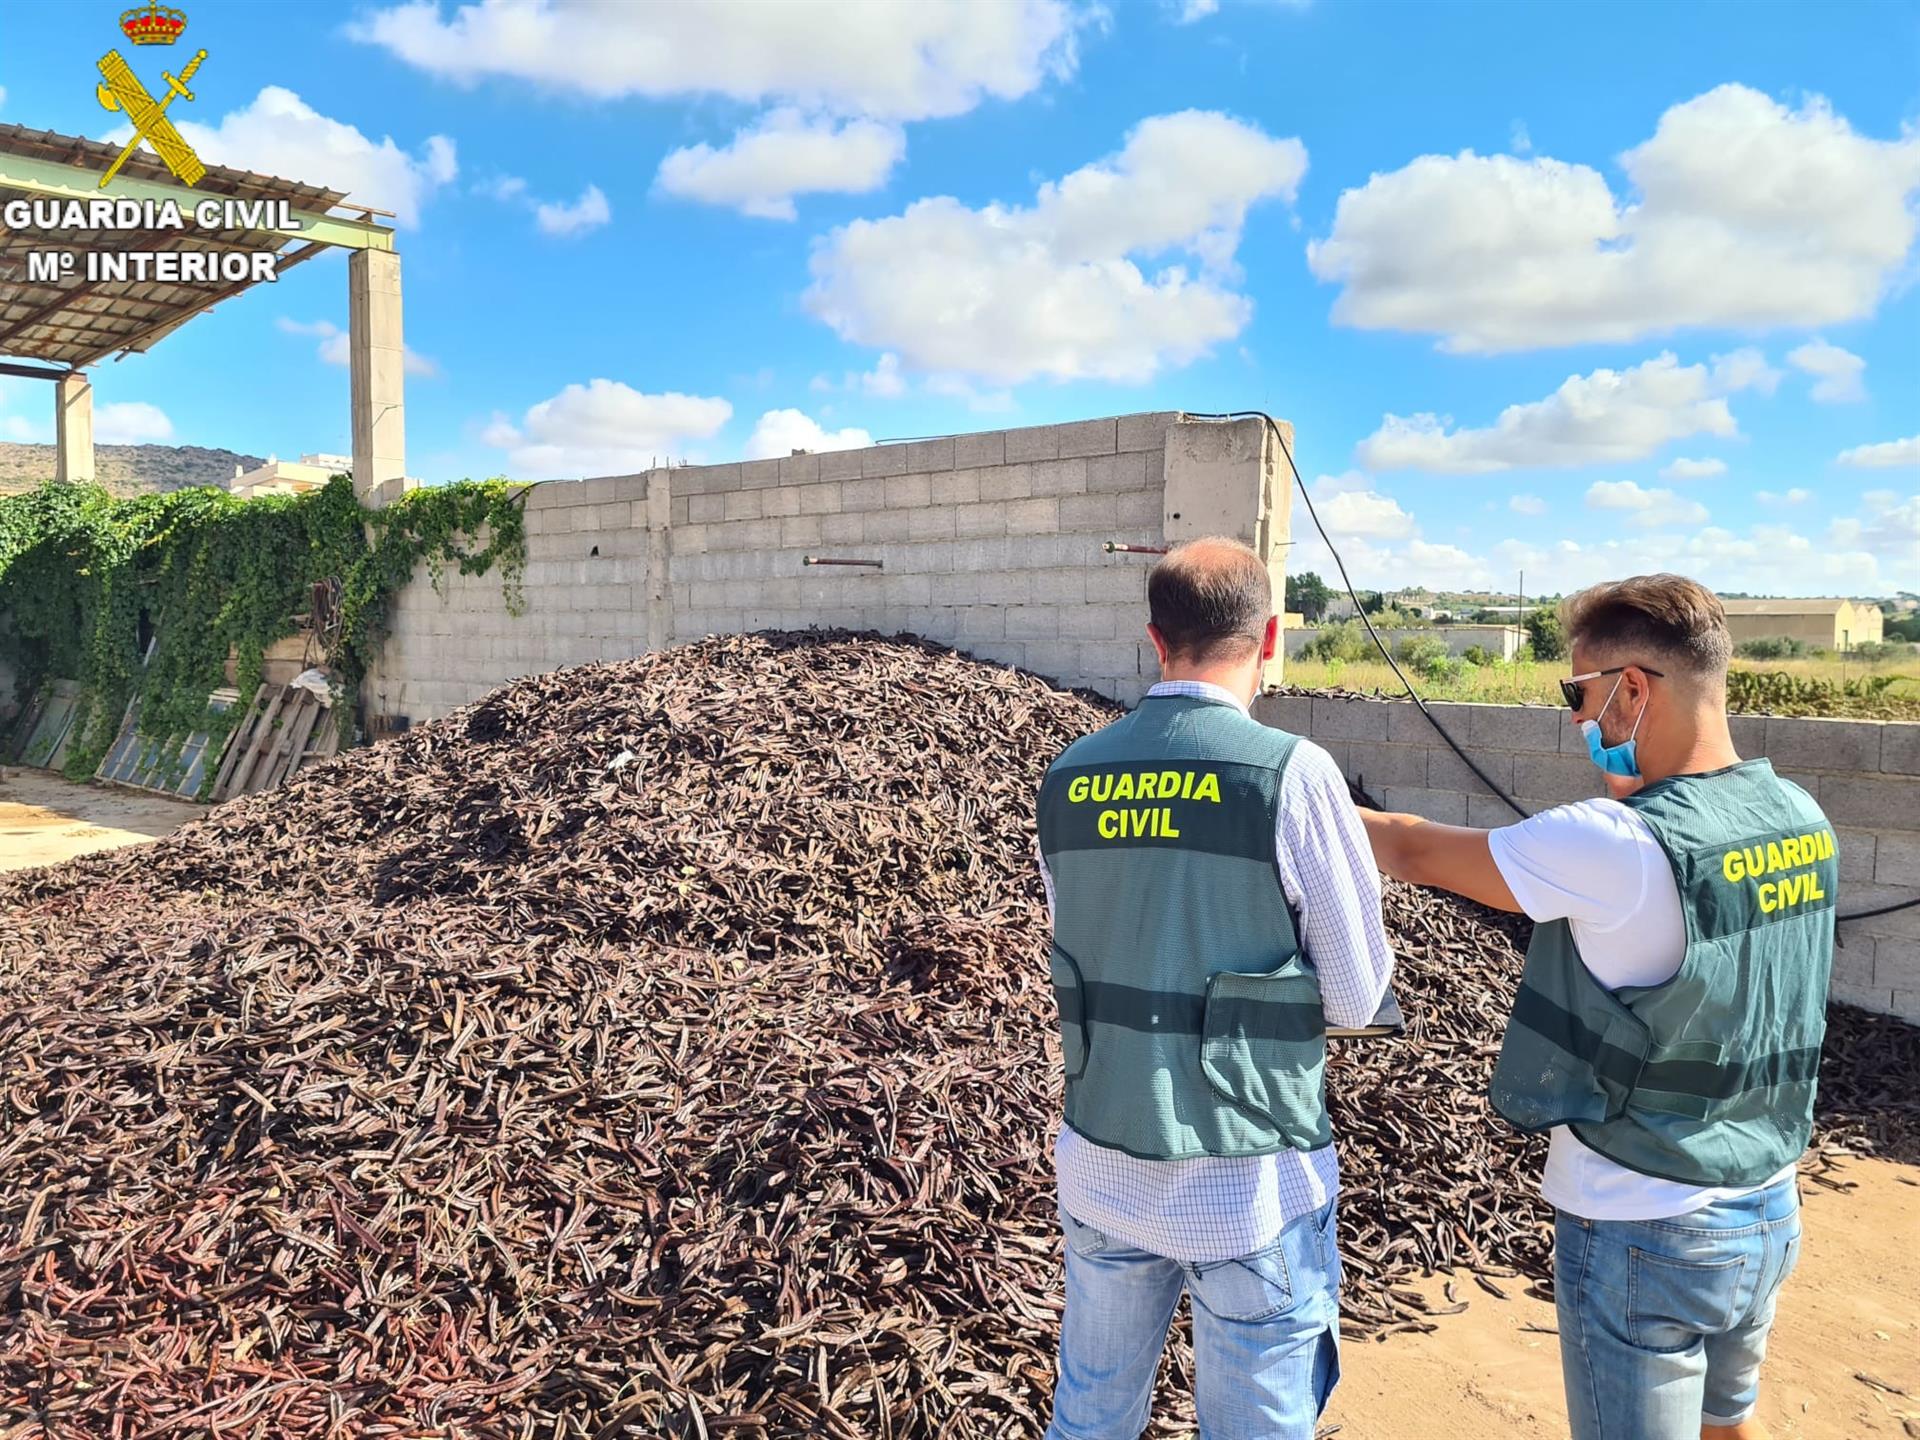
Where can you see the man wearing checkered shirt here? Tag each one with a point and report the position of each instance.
(1215, 907)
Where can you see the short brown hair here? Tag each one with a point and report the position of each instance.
(1211, 599)
(1669, 617)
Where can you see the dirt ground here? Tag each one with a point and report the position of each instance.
(1852, 1308)
(46, 818)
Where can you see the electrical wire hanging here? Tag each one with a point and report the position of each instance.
(1434, 720)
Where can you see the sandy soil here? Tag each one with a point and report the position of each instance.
(46, 818)
(1852, 1308)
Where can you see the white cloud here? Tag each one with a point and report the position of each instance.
(1888, 529)
(1795, 496)
(3, 94)
(336, 346)
(1527, 505)
(1192, 10)
(1884, 455)
(603, 428)
(1745, 215)
(884, 379)
(1608, 416)
(784, 155)
(899, 62)
(1836, 372)
(1052, 289)
(589, 212)
(1650, 509)
(1685, 469)
(280, 134)
(131, 422)
(553, 217)
(1519, 141)
(1348, 505)
(781, 432)
(1745, 369)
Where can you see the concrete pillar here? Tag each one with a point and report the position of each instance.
(73, 428)
(377, 366)
(1228, 477)
(659, 592)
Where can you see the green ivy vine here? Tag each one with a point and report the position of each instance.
(87, 579)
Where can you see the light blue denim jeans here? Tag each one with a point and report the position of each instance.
(1266, 1335)
(1663, 1323)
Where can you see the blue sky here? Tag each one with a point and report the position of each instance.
(1580, 289)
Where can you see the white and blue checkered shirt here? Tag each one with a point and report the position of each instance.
(1220, 1207)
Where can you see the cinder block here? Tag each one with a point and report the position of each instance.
(1146, 431)
(1098, 514)
(1896, 963)
(822, 499)
(1807, 744)
(1515, 727)
(839, 464)
(1054, 659)
(1384, 764)
(1855, 849)
(1445, 806)
(1006, 482)
(842, 529)
(862, 494)
(781, 501)
(705, 509)
(1340, 752)
(1555, 779)
(1896, 925)
(1336, 719)
(1059, 477)
(1033, 517)
(887, 526)
(1904, 1005)
(883, 460)
(680, 510)
(1446, 771)
(1896, 859)
(988, 622)
(799, 469)
(602, 490)
(1089, 622)
(799, 531)
(976, 520)
(1292, 713)
(1749, 734)
(929, 455)
(1126, 584)
(1138, 510)
(1110, 474)
(1089, 437)
(1032, 622)
(987, 448)
(1486, 812)
(1883, 802)
(1900, 747)
(1038, 442)
(1059, 587)
(908, 590)
(743, 505)
(759, 474)
(1407, 726)
(930, 522)
(903, 491)
(998, 652)
(956, 487)
(1109, 659)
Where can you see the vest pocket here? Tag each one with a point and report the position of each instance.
(1070, 994)
(1263, 1047)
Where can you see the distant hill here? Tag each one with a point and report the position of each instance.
(127, 469)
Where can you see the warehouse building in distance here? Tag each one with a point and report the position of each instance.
(1839, 625)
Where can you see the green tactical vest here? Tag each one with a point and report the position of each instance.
(1707, 1078)
(1189, 1024)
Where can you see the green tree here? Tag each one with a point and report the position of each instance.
(1309, 596)
(1907, 627)
(1549, 641)
(1372, 602)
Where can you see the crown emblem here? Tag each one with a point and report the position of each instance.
(155, 24)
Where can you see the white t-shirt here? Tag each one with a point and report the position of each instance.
(1596, 865)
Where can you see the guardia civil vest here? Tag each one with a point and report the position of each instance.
(1708, 1078)
(1189, 1023)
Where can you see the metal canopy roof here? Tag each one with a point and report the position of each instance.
(74, 321)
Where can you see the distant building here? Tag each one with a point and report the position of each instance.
(1825, 624)
(289, 477)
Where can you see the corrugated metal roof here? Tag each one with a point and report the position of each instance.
(74, 321)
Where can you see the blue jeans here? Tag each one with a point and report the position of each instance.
(1266, 1335)
(1663, 1323)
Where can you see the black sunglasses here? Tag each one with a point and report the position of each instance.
(1574, 689)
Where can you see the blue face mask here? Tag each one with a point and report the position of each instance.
(1614, 759)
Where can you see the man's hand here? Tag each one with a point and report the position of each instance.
(1447, 857)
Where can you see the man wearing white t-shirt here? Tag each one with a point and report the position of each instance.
(1668, 1025)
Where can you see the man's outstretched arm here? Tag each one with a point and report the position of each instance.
(1446, 857)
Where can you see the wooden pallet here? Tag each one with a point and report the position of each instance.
(286, 727)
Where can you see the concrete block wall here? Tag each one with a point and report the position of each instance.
(991, 543)
(1864, 773)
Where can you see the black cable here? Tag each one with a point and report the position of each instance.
(1380, 645)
